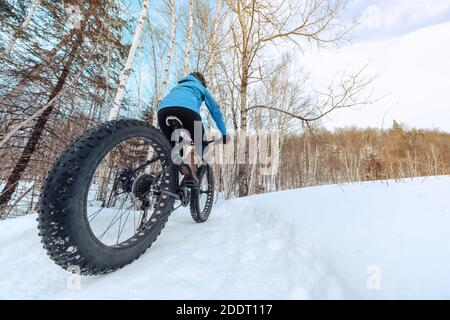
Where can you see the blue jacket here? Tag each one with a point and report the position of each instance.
(190, 93)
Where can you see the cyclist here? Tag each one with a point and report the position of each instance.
(182, 105)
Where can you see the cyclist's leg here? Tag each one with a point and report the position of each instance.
(191, 121)
(166, 130)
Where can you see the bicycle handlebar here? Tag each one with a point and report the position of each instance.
(218, 141)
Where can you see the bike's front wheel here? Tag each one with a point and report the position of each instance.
(103, 203)
(202, 198)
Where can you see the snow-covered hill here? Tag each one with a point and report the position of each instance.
(413, 72)
(372, 240)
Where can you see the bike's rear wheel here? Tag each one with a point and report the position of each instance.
(102, 205)
(202, 198)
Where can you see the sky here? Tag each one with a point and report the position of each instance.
(382, 19)
(405, 44)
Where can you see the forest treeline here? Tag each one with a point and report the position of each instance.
(352, 155)
(309, 159)
(66, 66)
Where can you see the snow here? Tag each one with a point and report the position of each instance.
(380, 240)
(23, 198)
(412, 78)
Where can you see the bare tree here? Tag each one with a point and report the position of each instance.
(20, 30)
(256, 24)
(350, 91)
(187, 51)
(169, 55)
(129, 64)
(41, 124)
(173, 34)
(14, 94)
(30, 147)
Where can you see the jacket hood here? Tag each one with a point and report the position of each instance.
(189, 78)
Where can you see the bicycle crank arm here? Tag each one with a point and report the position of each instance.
(170, 194)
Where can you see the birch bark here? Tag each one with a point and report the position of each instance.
(114, 113)
(23, 26)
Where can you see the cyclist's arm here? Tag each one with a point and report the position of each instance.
(216, 114)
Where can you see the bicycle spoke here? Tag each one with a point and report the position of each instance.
(122, 170)
(116, 190)
(124, 224)
(112, 222)
(94, 215)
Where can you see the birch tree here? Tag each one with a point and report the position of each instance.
(256, 24)
(173, 33)
(38, 126)
(187, 51)
(30, 147)
(169, 55)
(21, 29)
(114, 113)
(209, 35)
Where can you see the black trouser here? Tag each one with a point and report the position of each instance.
(187, 117)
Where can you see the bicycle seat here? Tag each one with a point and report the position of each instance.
(174, 122)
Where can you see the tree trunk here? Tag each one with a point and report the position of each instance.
(19, 31)
(37, 131)
(187, 52)
(9, 99)
(213, 47)
(129, 64)
(168, 58)
(169, 51)
(243, 168)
